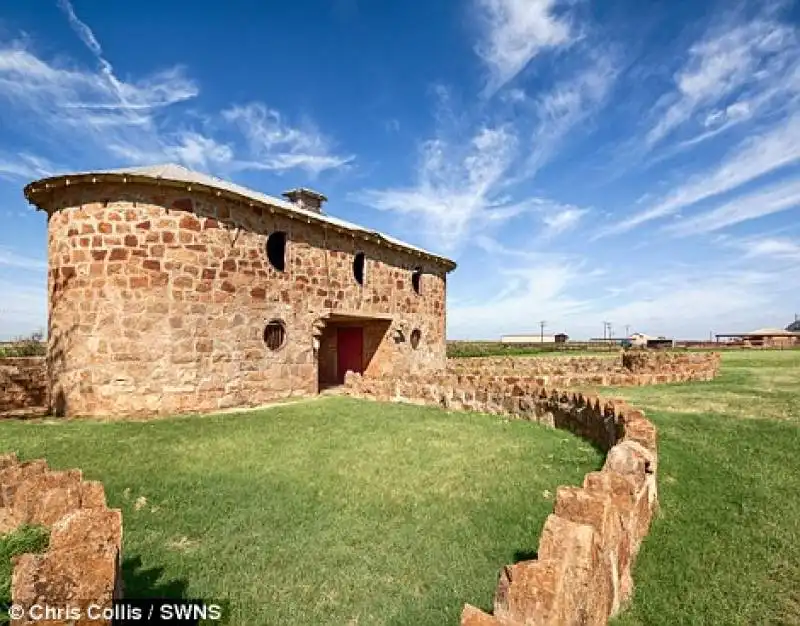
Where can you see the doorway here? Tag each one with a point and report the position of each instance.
(350, 351)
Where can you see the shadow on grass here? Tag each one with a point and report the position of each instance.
(142, 583)
(525, 555)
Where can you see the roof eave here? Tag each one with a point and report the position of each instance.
(285, 208)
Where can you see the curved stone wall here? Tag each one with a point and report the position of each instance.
(630, 368)
(23, 383)
(582, 573)
(82, 562)
(160, 295)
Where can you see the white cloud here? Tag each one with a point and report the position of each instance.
(25, 166)
(764, 247)
(82, 30)
(780, 197)
(753, 158)
(276, 145)
(23, 308)
(462, 186)
(515, 31)
(562, 220)
(9, 258)
(77, 106)
(752, 62)
(457, 188)
(542, 289)
(91, 112)
(568, 104)
(523, 295)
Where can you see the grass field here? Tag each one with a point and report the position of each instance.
(725, 548)
(331, 511)
(341, 512)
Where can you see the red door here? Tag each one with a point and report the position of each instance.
(350, 347)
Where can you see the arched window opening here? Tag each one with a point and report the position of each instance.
(276, 250)
(359, 267)
(416, 337)
(416, 280)
(275, 335)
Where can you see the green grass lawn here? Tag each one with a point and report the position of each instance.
(333, 511)
(726, 546)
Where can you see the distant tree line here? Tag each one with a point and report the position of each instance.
(32, 345)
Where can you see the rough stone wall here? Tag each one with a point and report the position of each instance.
(558, 372)
(660, 362)
(625, 369)
(159, 298)
(582, 573)
(23, 383)
(535, 365)
(82, 562)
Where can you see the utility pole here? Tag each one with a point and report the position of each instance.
(541, 331)
(627, 331)
(610, 331)
(605, 327)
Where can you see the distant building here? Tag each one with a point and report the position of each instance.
(639, 340)
(765, 337)
(539, 339)
(660, 343)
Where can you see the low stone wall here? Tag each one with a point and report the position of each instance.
(632, 368)
(645, 361)
(535, 365)
(582, 573)
(82, 562)
(23, 383)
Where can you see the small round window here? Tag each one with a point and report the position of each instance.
(275, 335)
(416, 280)
(416, 336)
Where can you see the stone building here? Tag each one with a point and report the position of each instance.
(171, 290)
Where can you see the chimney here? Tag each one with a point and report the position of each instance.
(306, 199)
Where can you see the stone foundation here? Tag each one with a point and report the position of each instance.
(23, 383)
(82, 562)
(582, 573)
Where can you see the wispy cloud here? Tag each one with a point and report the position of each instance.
(569, 103)
(782, 249)
(9, 258)
(458, 187)
(562, 219)
(752, 159)
(94, 112)
(735, 69)
(277, 145)
(25, 166)
(515, 31)
(566, 293)
(773, 199)
(463, 186)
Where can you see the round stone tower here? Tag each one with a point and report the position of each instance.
(172, 291)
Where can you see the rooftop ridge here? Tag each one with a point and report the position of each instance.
(175, 172)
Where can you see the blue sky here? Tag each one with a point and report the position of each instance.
(622, 161)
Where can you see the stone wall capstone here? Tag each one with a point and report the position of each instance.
(82, 562)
